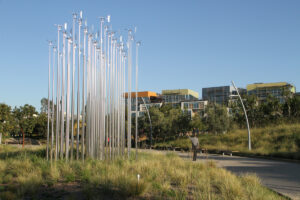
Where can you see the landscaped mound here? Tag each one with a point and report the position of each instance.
(277, 141)
(26, 174)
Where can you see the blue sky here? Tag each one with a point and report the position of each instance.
(185, 44)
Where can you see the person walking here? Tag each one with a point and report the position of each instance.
(195, 144)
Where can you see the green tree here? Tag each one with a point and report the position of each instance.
(171, 120)
(252, 108)
(26, 117)
(295, 106)
(158, 122)
(44, 106)
(272, 110)
(7, 122)
(291, 107)
(183, 122)
(40, 127)
(217, 119)
(196, 122)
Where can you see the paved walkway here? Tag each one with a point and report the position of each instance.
(283, 177)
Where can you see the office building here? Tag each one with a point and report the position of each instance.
(278, 90)
(176, 96)
(221, 95)
(144, 107)
(193, 107)
(144, 97)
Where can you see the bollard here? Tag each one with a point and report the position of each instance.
(138, 178)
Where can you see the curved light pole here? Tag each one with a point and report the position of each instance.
(149, 122)
(248, 127)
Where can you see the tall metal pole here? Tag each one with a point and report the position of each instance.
(48, 111)
(136, 98)
(78, 86)
(109, 92)
(102, 65)
(88, 102)
(63, 94)
(106, 113)
(73, 84)
(52, 118)
(83, 94)
(57, 94)
(245, 112)
(129, 93)
(68, 98)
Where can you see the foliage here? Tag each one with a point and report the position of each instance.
(217, 119)
(197, 123)
(166, 121)
(26, 118)
(7, 123)
(40, 127)
(267, 112)
(44, 106)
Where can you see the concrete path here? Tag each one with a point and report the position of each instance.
(283, 177)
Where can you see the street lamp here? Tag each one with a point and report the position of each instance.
(249, 134)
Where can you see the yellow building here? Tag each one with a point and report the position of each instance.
(178, 95)
(278, 90)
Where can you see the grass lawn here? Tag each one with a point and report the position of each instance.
(276, 141)
(25, 174)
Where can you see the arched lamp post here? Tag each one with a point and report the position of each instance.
(248, 127)
(149, 122)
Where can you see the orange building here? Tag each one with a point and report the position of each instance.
(144, 97)
(143, 94)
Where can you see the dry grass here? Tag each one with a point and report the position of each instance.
(26, 174)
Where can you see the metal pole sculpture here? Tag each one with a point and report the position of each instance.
(100, 83)
(245, 112)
